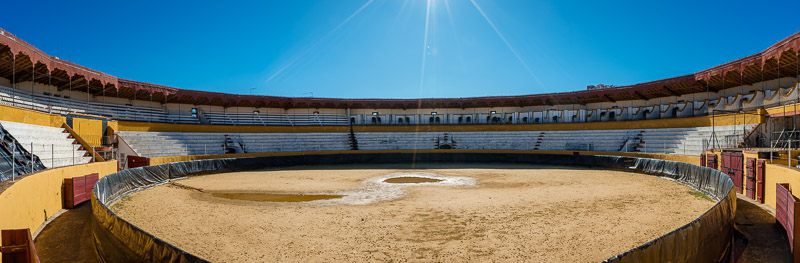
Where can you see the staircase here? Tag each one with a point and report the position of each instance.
(352, 139)
(14, 159)
(747, 136)
(54, 146)
(539, 141)
(637, 142)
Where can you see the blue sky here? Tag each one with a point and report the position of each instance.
(374, 49)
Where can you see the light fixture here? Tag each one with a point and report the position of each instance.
(374, 113)
(433, 113)
(256, 112)
(492, 112)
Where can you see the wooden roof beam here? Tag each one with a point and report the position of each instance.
(670, 91)
(640, 95)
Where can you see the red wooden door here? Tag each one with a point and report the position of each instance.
(732, 166)
(702, 159)
(725, 164)
(760, 181)
(750, 187)
(711, 160)
(737, 167)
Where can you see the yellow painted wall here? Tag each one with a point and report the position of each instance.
(28, 202)
(114, 125)
(14, 114)
(90, 130)
(774, 174)
(171, 159)
(721, 120)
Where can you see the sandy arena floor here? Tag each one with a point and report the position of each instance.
(509, 213)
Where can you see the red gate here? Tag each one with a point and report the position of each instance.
(702, 159)
(760, 181)
(750, 187)
(17, 246)
(136, 161)
(732, 166)
(786, 211)
(711, 160)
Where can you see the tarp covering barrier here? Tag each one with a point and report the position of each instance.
(708, 238)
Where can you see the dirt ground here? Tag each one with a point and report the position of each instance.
(68, 238)
(513, 213)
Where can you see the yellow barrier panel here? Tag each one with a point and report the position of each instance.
(14, 114)
(28, 202)
(90, 130)
(671, 157)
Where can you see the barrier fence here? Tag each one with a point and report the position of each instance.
(708, 238)
(787, 208)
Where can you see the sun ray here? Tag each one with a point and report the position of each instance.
(422, 76)
(508, 44)
(455, 33)
(402, 8)
(304, 52)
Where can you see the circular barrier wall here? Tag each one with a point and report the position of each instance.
(708, 238)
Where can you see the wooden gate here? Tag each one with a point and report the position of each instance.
(786, 211)
(732, 166)
(702, 159)
(711, 160)
(750, 187)
(17, 246)
(760, 180)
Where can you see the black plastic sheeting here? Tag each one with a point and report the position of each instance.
(708, 238)
(14, 159)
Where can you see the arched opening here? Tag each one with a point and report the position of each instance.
(379, 120)
(399, 120)
(555, 119)
(495, 119)
(408, 120)
(438, 120)
(374, 120)
(510, 120)
(430, 120)
(536, 120)
(469, 120)
(524, 119)
(612, 116)
(352, 120)
(460, 119)
(675, 112)
(574, 118)
(488, 119)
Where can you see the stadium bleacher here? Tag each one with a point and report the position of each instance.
(52, 145)
(158, 144)
(688, 141)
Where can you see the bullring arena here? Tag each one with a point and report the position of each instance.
(480, 212)
(693, 168)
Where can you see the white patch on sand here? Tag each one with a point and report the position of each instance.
(376, 190)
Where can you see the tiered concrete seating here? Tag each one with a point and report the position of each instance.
(264, 119)
(691, 141)
(609, 140)
(65, 106)
(157, 144)
(51, 144)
